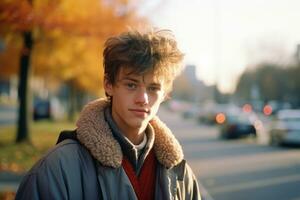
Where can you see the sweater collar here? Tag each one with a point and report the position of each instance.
(95, 134)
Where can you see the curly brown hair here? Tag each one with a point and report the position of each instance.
(154, 50)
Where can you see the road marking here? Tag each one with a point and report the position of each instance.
(254, 184)
(212, 167)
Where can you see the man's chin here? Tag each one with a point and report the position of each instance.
(140, 124)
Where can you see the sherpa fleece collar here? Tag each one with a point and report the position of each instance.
(95, 134)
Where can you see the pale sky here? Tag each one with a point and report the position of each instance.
(222, 37)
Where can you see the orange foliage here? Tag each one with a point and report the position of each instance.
(70, 58)
(68, 36)
(16, 15)
(7, 195)
(9, 59)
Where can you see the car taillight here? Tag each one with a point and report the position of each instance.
(220, 118)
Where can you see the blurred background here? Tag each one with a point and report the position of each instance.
(235, 108)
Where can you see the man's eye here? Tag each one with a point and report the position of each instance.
(131, 85)
(154, 89)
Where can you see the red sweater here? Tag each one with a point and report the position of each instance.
(144, 184)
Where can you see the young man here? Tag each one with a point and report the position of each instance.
(120, 149)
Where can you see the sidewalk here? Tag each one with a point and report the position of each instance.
(8, 115)
(9, 181)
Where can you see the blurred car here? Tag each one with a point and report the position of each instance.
(237, 124)
(209, 113)
(207, 117)
(192, 111)
(286, 128)
(41, 110)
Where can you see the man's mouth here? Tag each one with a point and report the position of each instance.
(140, 110)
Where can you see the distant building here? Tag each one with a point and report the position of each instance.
(190, 72)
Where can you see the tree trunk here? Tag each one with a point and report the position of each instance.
(24, 72)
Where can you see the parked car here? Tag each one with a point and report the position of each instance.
(41, 109)
(238, 124)
(191, 112)
(286, 128)
(209, 113)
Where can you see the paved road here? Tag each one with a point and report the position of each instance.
(239, 169)
(8, 115)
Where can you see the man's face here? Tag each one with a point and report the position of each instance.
(135, 99)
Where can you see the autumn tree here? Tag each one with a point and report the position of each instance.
(274, 82)
(59, 39)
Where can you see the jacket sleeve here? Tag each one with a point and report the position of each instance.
(66, 172)
(56, 175)
(44, 181)
(191, 185)
(187, 185)
(28, 188)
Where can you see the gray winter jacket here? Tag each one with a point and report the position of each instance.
(90, 168)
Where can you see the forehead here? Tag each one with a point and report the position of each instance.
(147, 77)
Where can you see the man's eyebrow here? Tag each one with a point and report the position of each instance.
(155, 84)
(130, 79)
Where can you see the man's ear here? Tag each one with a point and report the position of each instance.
(108, 87)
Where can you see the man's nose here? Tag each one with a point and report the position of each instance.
(142, 97)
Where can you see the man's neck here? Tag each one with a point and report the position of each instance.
(135, 136)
